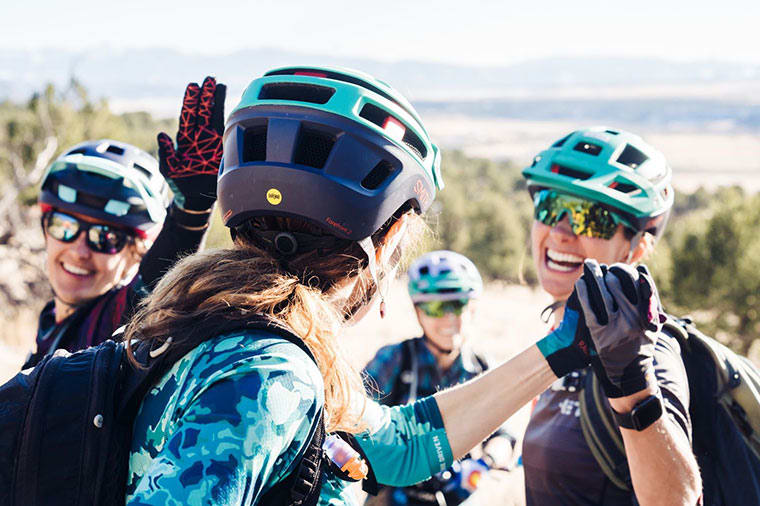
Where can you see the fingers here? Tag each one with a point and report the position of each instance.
(627, 278)
(188, 116)
(217, 111)
(206, 103)
(166, 153)
(598, 297)
(651, 313)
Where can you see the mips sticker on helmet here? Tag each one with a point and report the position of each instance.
(274, 196)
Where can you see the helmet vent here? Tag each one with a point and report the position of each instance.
(588, 148)
(424, 271)
(297, 92)
(337, 76)
(561, 142)
(378, 175)
(413, 141)
(632, 157)
(613, 132)
(624, 187)
(313, 148)
(376, 115)
(567, 171)
(79, 151)
(255, 144)
(116, 150)
(142, 169)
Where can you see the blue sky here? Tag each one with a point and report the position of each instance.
(484, 32)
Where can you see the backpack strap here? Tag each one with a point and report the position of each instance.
(602, 434)
(407, 380)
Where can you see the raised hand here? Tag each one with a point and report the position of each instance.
(191, 168)
(623, 314)
(569, 346)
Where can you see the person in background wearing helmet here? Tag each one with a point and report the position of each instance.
(325, 174)
(109, 236)
(443, 286)
(605, 194)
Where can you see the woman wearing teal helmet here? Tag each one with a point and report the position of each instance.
(443, 286)
(605, 194)
(324, 175)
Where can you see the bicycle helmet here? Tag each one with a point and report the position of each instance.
(110, 181)
(443, 275)
(333, 146)
(615, 168)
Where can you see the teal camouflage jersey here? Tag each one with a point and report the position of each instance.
(230, 418)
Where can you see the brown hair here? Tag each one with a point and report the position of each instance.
(299, 291)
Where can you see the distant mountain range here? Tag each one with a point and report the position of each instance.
(655, 90)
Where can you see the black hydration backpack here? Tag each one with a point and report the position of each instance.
(66, 425)
(724, 390)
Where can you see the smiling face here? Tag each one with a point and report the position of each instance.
(446, 332)
(78, 274)
(559, 254)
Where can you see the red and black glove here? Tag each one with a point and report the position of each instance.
(191, 168)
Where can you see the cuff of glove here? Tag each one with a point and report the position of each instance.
(625, 386)
(562, 361)
(189, 219)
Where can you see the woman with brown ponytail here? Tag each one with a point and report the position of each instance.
(324, 176)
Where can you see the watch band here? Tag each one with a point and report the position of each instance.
(643, 414)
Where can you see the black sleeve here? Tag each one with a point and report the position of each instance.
(672, 380)
(181, 234)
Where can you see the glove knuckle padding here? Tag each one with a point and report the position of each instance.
(627, 279)
(599, 298)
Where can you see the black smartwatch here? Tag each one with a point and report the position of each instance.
(643, 414)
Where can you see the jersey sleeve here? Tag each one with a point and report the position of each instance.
(238, 435)
(672, 380)
(383, 370)
(405, 444)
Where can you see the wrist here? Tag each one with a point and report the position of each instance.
(189, 219)
(627, 403)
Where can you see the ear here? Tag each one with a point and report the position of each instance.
(643, 249)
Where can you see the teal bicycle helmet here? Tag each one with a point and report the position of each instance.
(614, 168)
(332, 146)
(443, 275)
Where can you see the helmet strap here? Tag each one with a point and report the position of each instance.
(385, 254)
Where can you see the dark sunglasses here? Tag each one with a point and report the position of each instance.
(439, 308)
(585, 216)
(99, 238)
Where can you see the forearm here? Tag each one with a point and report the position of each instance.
(473, 410)
(181, 234)
(663, 467)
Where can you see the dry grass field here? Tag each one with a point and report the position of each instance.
(699, 157)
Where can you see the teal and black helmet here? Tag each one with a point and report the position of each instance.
(336, 147)
(108, 180)
(614, 168)
(443, 275)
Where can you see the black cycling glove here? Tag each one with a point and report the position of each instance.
(623, 313)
